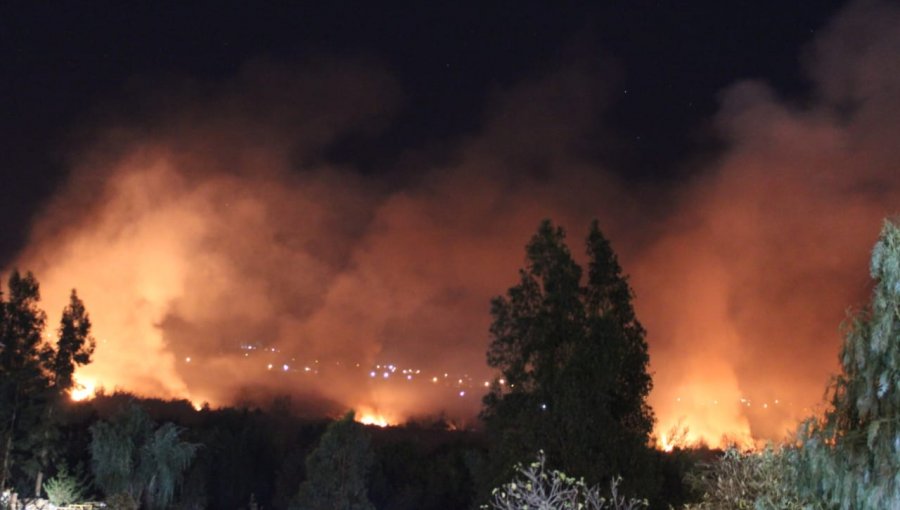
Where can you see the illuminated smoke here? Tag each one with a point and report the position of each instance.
(745, 289)
(220, 258)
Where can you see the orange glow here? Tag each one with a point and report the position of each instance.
(194, 234)
(373, 417)
(84, 389)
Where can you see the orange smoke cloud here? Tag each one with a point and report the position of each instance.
(222, 258)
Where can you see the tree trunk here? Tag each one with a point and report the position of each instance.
(38, 482)
(42, 458)
(4, 470)
(7, 450)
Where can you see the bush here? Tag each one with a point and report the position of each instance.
(121, 501)
(535, 487)
(65, 488)
(744, 480)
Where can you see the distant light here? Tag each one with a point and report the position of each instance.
(459, 381)
(462, 393)
(187, 360)
(386, 375)
(409, 378)
(544, 407)
(434, 379)
(487, 384)
(269, 367)
(502, 382)
(372, 373)
(306, 369)
(284, 367)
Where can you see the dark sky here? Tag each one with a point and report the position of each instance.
(63, 65)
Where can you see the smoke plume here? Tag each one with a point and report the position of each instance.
(223, 257)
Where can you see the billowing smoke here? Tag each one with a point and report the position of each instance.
(744, 291)
(222, 257)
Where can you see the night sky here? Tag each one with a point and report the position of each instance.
(265, 198)
(66, 64)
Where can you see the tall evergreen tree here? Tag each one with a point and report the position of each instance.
(851, 457)
(573, 361)
(337, 469)
(23, 383)
(74, 347)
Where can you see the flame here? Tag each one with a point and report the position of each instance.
(665, 443)
(84, 389)
(369, 416)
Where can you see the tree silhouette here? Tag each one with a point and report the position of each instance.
(23, 384)
(35, 377)
(337, 469)
(573, 366)
(130, 456)
(74, 347)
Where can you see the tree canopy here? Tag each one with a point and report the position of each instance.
(131, 456)
(849, 458)
(573, 365)
(34, 377)
(337, 469)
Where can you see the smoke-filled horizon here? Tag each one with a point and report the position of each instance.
(206, 227)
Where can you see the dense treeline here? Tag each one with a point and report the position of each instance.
(260, 454)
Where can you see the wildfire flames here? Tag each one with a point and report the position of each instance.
(193, 233)
(84, 388)
(371, 417)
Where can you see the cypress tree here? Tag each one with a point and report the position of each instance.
(573, 364)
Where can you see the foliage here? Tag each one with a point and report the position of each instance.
(337, 469)
(74, 346)
(23, 384)
(849, 458)
(65, 488)
(573, 363)
(411, 473)
(537, 488)
(766, 479)
(35, 377)
(131, 456)
(121, 501)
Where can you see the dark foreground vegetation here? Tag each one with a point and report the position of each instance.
(260, 456)
(565, 424)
